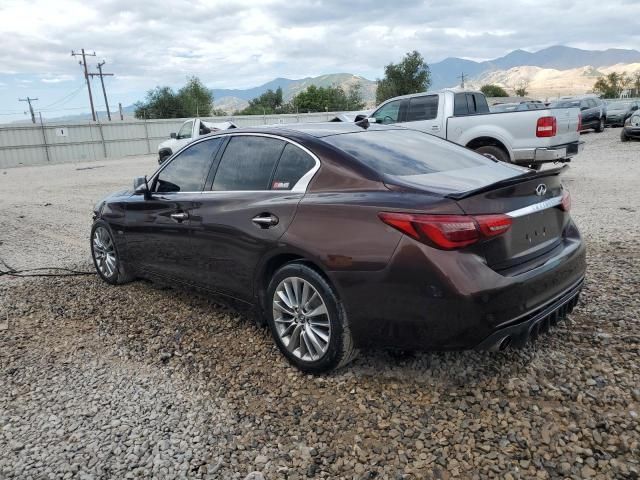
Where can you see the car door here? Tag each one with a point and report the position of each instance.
(590, 112)
(424, 114)
(253, 195)
(158, 227)
(185, 135)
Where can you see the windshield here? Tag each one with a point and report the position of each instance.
(566, 104)
(406, 152)
(620, 106)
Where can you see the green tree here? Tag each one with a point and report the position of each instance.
(192, 100)
(320, 99)
(521, 89)
(269, 102)
(411, 75)
(494, 91)
(612, 85)
(196, 99)
(160, 102)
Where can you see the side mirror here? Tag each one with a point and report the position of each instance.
(634, 108)
(360, 117)
(141, 186)
(173, 135)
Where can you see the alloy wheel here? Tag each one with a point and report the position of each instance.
(104, 252)
(301, 319)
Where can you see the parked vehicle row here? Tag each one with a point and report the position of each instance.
(528, 137)
(593, 111)
(346, 236)
(619, 111)
(631, 127)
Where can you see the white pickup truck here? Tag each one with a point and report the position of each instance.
(189, 131)
(529, 137)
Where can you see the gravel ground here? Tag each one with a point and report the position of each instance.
(140, 382)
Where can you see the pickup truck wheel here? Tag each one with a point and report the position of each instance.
(492, 151)
(600, 127)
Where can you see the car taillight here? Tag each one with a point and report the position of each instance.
(566, 201)
(447, 232)
(547, 127)
(579, 122)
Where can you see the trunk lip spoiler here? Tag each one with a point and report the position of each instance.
(530, 175)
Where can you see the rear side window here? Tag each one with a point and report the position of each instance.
(248, 163)
(188, 171)
(406, 152)
(293, 164)
(423, 108)
(460, 104)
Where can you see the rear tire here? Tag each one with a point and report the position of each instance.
(600, 127)
(307, 320)
(495, 152)
(106, 259)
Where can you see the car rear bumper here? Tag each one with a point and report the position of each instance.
(428, 299)
(530, 326)
(548, 154)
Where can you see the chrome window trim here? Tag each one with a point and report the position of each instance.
(300, 186)
(536, 207)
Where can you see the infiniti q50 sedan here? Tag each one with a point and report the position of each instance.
(349, 236)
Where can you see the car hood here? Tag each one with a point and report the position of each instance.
(112, 196)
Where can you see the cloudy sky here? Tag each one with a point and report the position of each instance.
(238, 44)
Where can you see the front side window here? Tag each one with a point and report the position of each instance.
(388, 113)
(188, 171)
(293, 164)
(248, 163)
(185, 130)
(423, 108)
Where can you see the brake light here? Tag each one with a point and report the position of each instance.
(579, 122)
(565, 204)
(447, 232)
(547, 127)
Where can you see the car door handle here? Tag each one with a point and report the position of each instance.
(265, 220)
(179, 217)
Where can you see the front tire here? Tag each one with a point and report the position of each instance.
(106, 259)
(623, 136)
(492, 151)
(307, 320)
(600, 127)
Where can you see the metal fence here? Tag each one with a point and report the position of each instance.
(56, 143)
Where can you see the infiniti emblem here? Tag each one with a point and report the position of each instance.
(541, 189)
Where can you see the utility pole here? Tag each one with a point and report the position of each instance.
(29, 100)
(104, 92)
(120, 109)
(86, 76)
(461, 77)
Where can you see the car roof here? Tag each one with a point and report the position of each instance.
(317, 130)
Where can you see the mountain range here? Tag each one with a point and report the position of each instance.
(446, 73)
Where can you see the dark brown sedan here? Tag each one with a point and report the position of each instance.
(346, 237)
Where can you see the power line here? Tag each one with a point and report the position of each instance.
(104, 92)
(86, 76)
(29, 100)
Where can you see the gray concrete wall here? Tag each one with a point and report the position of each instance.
(57, 143)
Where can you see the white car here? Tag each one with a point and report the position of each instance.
(528, 137)
(189, 131)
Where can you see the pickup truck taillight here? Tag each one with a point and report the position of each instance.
(547, 127)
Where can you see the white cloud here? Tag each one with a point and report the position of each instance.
(243, 43)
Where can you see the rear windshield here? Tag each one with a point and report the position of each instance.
(406, 152)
